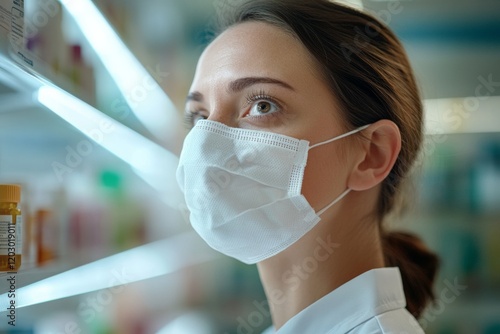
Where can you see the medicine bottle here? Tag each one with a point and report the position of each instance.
(10, 228)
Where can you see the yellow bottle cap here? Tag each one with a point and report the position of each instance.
(10, 193)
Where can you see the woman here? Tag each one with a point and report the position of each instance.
(290, 83)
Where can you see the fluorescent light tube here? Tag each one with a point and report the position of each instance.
(154, 110)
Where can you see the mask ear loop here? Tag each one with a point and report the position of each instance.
(320, 212)
(340, 137)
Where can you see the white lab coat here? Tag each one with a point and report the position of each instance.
(371, 303)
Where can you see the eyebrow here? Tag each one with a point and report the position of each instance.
(240, 84)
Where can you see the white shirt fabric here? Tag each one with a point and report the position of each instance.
(370, 303)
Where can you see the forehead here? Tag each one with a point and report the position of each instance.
(254, 49)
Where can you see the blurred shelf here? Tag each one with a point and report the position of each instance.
(474, 114)
(63, 279)
(461, 219)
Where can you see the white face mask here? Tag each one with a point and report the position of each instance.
(242, 188)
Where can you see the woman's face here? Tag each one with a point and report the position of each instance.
(257, 76)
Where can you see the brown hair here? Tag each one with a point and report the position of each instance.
(368, 71)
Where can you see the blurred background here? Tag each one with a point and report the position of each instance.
(91, 101)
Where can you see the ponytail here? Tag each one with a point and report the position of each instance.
(418, 266)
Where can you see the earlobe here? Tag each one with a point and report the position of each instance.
(380, 147)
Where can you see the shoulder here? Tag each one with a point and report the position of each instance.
(398, 321)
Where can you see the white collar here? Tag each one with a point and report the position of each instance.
(365, 296)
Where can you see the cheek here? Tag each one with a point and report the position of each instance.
(325, 175)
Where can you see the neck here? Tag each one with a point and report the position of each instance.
(335, 251)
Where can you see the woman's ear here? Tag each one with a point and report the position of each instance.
(381, 144)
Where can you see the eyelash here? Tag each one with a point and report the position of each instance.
(189, 119)
(262, 95)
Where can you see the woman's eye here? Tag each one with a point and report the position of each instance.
(262, 108)
(197, 117)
